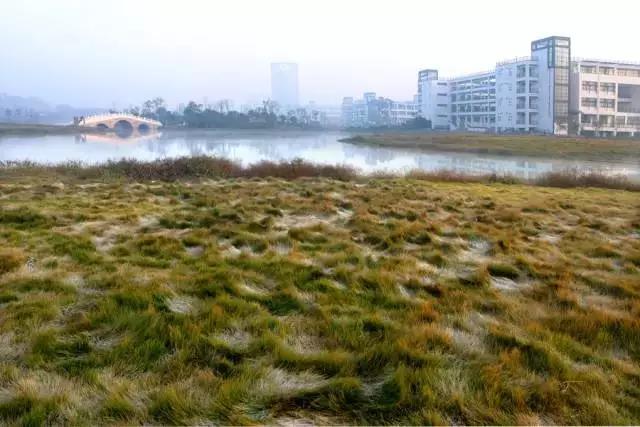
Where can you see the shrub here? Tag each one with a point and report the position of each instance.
(10, 259)
(23, 218)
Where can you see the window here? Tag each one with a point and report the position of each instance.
(589, 69)
(522, 71)
(628, 72)
(590, 86)
(442, 116)
(608, 87)
(589, 102)
(442, 105)
(607, 103)
(562, 92)
(442, 94)
(442, 84)
(562, 57)
(606, 70)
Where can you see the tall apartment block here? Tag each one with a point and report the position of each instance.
(284, 84)
(544, 93)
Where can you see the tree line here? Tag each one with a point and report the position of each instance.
(199, 116)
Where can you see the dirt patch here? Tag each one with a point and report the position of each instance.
(252, 289)
(477, 252)
(506, 284)
(277, 381)
(182, 305)
(235, 338)
(195, 251)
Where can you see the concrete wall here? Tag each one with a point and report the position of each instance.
(435, 107)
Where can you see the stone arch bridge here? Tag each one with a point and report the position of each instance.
(126, 124)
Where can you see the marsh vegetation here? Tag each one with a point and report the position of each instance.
(243, 300)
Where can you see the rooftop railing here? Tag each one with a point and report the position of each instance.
(516, 60)
(98, 117)
(606, 62)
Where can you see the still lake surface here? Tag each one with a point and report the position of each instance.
(249, 147)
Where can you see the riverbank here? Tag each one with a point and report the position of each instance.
(20, 129)
(252, 300)
(205, 167)
(614, 150)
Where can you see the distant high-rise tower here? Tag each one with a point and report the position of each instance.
(284, 84)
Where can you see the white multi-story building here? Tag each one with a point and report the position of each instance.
(433, 99)
(424, 76)
(605, 98)
(517, 95)
(528, 94)
(473, 101)
(376, 111)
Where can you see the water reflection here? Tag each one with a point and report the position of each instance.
(252, 146)
(115, 138)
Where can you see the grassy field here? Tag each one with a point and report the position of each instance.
(265, 300)
(517, 145)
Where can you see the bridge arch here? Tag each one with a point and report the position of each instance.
(144, 128)
(123, 128)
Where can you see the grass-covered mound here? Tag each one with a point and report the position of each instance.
(387, 301)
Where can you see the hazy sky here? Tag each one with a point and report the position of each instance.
(96, 53)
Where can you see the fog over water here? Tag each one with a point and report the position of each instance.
(121, 52)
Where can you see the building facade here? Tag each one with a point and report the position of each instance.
(546, 92)
(473, 102)
(433, 101)
(605, 98)
(284, 85)
(373, 111)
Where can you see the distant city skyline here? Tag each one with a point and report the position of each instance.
(85, 53)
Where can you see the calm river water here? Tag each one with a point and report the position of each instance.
(252, 146)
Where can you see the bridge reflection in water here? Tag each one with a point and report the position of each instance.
(116, 138)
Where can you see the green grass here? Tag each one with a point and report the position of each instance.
(520, 145)
(265, 301)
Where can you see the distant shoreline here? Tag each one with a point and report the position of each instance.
(28, 129)
(506, 145)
